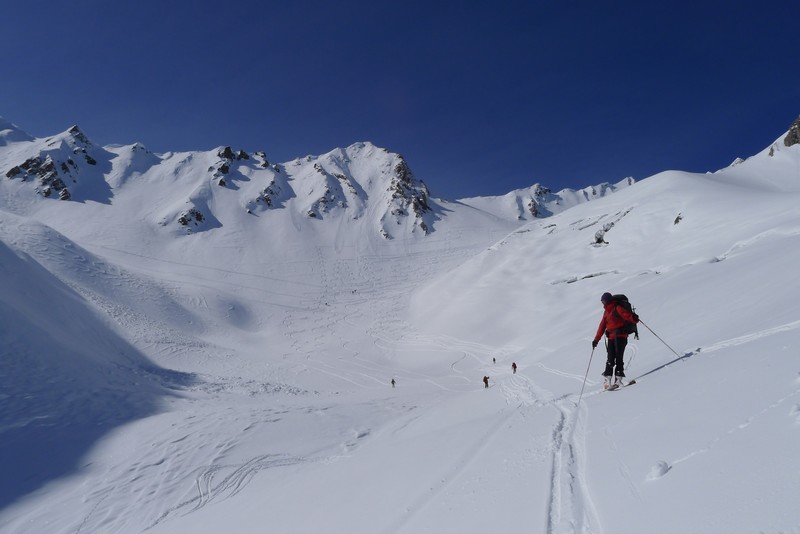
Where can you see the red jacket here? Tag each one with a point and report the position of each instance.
(612, 320)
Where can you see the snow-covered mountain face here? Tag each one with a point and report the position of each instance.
(194, 192)
(206, 342)
(537, 201)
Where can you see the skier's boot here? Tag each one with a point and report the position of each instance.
(606, 382)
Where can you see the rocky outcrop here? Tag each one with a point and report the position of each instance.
(79, 135)
(57, 163)
(411, 192)
(793, 137)
(229, 154)
(46, 172)
(191, 216)
(269, 195)
(539, 197)
(409, 195)
(263, 157)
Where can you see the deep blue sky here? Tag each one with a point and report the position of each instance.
(480, 97)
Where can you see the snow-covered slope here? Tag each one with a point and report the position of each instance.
(709, 262)
(234, 374)
(68, 376)
(537, 201)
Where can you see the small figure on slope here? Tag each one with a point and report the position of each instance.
(486, 381)
(393, 382)
(514, 367)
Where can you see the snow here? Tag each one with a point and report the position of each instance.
(236, 378)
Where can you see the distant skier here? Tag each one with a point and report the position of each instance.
(612, 325)
(485, 381)
(514, 367)
(393, 382)
(494, 360)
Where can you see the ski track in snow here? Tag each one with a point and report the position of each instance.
(349, 291)
(570, 507)
(209, 489)
(751, 337)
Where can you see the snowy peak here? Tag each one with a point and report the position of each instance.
(792, 137)
(65, 166)
(772, 169)
(201, 190)
(362, 185)
(358, 180)
(538, 201)
(10, 133)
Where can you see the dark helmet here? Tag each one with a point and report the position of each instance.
(606, 298)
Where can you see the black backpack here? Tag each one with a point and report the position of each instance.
(629, 327)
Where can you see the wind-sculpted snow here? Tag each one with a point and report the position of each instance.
(67, 378)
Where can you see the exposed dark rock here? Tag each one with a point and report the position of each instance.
(47, 167)
(222, 182)
(263, 155)
(190, 215)
(420, 204)
(342, 178)
(58, 184)
(78, 134)
(793, 137)
(242, 155)
(46, 172)
(533, 208)
(224, 168)
(64, 195)
(269, 194)
(541, 191)
(403, 188)
(30, 163)
(226, 153)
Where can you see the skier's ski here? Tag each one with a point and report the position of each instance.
(614, 387)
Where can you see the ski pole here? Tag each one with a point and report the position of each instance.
(661, 340)
(630, 362)
(586, 376)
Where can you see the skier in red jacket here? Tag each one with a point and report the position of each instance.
(612, 323)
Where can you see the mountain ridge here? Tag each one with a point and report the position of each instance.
(351, 183)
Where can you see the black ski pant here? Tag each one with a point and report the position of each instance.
(616, 349)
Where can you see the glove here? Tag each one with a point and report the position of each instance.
(594, 344)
